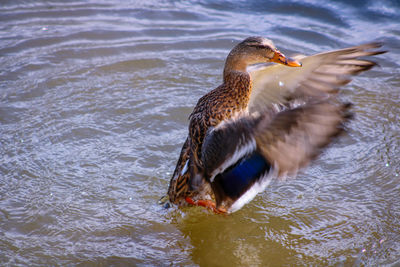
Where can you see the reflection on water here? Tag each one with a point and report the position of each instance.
(94, 100)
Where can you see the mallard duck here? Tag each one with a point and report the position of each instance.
(262, 122)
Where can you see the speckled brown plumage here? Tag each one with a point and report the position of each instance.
(273, 120)
(178, 187)
(216, 106)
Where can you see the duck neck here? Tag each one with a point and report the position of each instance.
(238, 81)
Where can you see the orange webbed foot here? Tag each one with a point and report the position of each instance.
(209, 204)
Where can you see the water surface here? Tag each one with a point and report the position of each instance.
(94, 102)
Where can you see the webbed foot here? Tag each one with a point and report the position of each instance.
(209, 204)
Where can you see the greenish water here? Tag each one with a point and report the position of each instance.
(94, 102)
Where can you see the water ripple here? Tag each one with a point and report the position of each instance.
(94, 105)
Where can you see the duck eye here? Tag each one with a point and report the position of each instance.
(258, 46)
(261, 46)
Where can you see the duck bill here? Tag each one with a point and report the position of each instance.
(282, 59)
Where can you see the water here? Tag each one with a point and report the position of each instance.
(94, 101)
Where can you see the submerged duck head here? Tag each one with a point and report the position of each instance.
(255, 50)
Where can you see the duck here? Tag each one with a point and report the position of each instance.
(271, 116)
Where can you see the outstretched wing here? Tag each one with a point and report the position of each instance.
(320, 76)
(295, 137)
(240, 155)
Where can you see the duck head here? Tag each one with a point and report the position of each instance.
(255, 50)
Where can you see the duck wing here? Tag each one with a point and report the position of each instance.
(178, 185)
(242, 155)
(319, 77)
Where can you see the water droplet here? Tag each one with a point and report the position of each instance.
(130, 198)
(387, 164)
(281, 83)
(363, 250)
(51, 194)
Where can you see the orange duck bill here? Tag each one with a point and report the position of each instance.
(282, 59)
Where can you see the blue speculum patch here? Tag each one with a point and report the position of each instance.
(236, 180)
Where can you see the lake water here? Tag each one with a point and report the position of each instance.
(94, 105)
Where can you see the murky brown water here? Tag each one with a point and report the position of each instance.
(94, 101)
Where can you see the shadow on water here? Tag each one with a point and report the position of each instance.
(265, 243)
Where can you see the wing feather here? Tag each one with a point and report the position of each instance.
(296, 136)
(319, 77)
(286, 141)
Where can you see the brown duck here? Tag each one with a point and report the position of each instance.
(262, 122)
